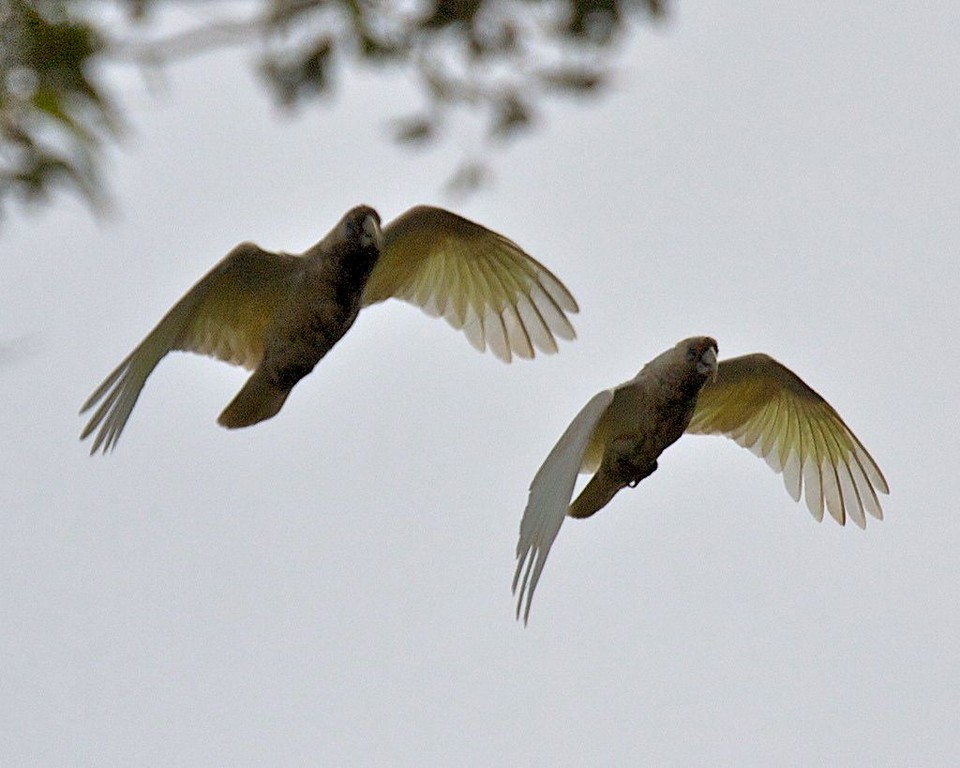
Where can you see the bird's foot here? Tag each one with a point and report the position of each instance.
(630, 474)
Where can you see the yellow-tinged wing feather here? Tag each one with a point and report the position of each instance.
(478, 280)
(765, 407)
(225, 315)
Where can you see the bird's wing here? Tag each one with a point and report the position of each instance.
(624, 398)
(224, 315)
(478, 280)
(549, 498)
(765, 407)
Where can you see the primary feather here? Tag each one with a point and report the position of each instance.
(476, 279)
(549, 498)
(224, 316)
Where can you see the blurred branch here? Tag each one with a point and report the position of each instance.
(496, 60)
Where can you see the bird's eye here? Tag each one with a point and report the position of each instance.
(691, 354)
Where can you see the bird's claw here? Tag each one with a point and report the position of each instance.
(633, 473)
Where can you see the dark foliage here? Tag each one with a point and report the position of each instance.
(496, 58)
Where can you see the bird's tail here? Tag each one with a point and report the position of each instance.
(595, 495)
(259, 399)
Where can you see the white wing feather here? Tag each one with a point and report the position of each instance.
(549, 499)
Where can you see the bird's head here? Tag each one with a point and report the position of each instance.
(701, 353)
(361, 226)
(353, 245)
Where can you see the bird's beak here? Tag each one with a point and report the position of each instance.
(707, 364)
(371, 232)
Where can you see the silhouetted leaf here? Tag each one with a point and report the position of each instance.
(511, 116)
(301, 75)
(467, 178)
(579, 80)
(414, 130)
(447, 12)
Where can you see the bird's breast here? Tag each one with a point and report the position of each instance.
(652, 418)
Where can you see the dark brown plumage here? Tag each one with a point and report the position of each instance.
(328, 293)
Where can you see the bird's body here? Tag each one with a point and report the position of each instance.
(327, 286)
(752, 399)
(279, 315)
(646, 415)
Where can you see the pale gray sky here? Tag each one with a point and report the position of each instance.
(332, 587)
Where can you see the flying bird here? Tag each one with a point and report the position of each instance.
(752, 399)
(278, 314)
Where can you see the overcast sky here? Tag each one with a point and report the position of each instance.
(332, 587)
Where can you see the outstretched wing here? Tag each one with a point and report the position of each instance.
(224, 315)
(765, 407)
(549, 499)
(478, 280)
